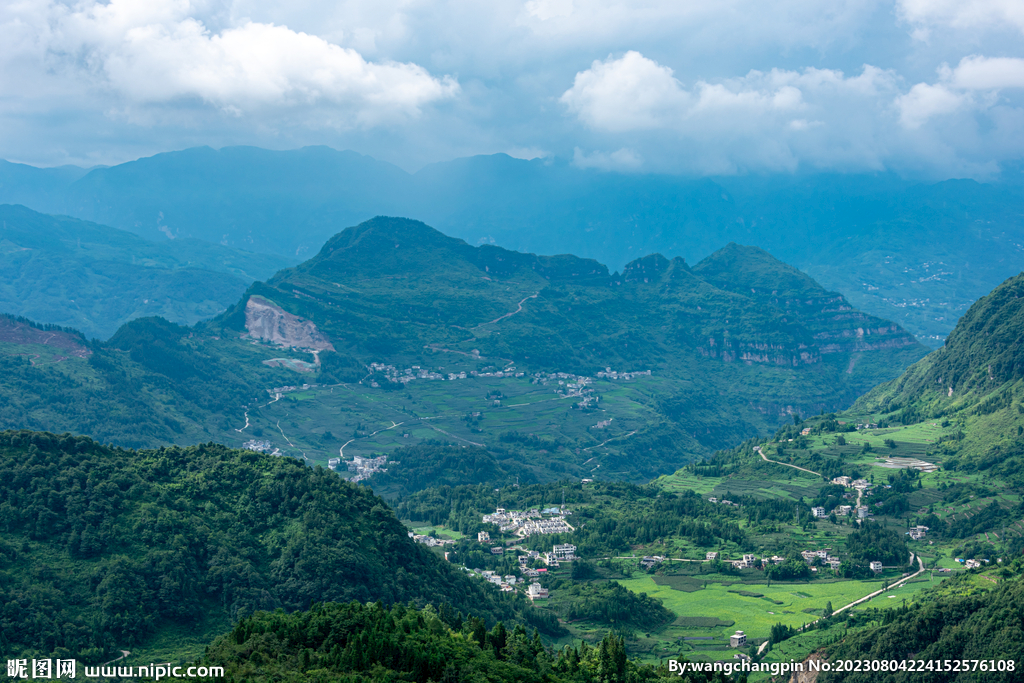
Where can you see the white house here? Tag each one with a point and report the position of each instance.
(738, 639)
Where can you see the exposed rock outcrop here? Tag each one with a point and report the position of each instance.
(270, 323)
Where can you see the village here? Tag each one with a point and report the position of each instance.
(364, 468)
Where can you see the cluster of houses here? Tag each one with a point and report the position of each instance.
(569, 386)
(851, 483)
(530, 522)
(812, 556)
(364, 468)
(276, 392)
(430, 541)
(405, 376)
(259, 446)
(918, 532)
(752, 561)
(722, 502)
(415, 372)
(565, 552)
(861, 511)
(608, 373)
(506, 583)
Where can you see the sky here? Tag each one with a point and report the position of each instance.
(931, 88)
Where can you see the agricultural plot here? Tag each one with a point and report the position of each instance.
(708, 613)
(350, 420)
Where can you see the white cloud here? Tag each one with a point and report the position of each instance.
(987, 73)
(956, 87)
(628, 93)
(926, 101)
(157, 51)
(963, 13)
(772, 120)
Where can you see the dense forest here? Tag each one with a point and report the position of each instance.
(609, 603)
(433, 463)
(104, 547)
(355, 643)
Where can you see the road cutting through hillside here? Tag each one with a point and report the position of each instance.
(765, 458)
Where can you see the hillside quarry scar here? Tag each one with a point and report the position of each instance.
(270, 323)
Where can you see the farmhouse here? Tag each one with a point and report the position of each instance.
(738, 639)
(818, 512)
(483, 537)
(564, 553)
(711, 556)
(876, 566)
(648, 562)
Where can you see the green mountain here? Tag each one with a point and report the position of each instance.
(974, 383)
(395, 336)
(156, 551)
(917, 253)
(72, 273)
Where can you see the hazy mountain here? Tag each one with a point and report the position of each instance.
(915, 253)
(94, 278)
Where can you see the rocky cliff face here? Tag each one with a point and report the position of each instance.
(270, 323)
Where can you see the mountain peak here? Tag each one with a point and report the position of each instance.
(747, 269)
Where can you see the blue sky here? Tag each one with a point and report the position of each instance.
(924, 87)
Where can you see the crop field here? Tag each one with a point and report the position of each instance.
(752, 608)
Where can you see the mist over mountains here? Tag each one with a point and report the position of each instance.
(912, 252)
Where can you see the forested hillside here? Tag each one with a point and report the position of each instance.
(349, 643)
(107, 548)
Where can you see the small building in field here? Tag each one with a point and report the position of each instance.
(738, 639)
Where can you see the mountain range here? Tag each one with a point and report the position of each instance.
(912, 252)
(559, 364)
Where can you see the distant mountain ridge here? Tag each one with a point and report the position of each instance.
(916, 253)
(95, 278)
